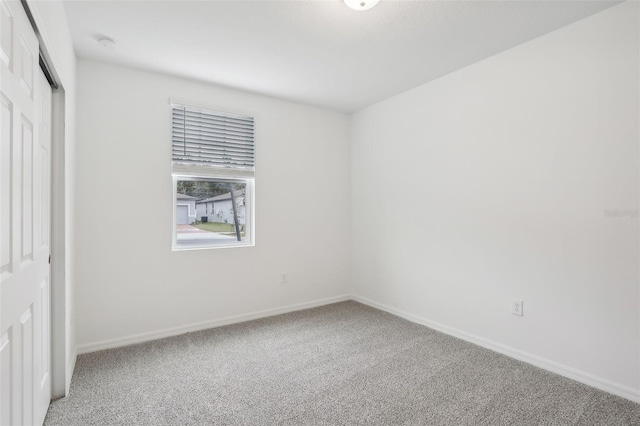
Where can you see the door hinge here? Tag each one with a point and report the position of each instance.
(49, 259)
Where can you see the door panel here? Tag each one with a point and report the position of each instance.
(6, 173)
(25, 163)
(28, 63)
(6, 342)
(6, 36)
(25, 148)
(183, 215)
(26, 326)
(41, 220)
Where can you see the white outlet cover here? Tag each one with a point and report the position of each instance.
(517, 307)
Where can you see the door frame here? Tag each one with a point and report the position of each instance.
(60, 309)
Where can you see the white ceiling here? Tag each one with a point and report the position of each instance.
(316, 52)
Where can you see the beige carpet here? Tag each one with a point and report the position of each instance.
(342, 364)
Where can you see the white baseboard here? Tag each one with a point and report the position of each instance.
(554, 367)
(174, 331)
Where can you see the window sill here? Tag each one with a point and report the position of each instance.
(189, 247)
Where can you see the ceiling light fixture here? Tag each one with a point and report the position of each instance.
(361, 4)
(107, 43)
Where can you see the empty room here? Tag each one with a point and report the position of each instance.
(319, 212)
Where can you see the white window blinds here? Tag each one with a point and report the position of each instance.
(210, 138)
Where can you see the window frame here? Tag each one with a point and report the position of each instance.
(195, 172)
(249, 196)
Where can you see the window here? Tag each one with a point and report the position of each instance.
(213, 178)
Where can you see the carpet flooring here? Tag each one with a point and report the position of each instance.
(341, 364)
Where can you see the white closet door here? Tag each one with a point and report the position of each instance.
(25, 170)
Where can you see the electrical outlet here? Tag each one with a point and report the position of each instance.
(284, 278)
(517, 307)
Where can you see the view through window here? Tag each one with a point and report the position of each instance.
(211, 212)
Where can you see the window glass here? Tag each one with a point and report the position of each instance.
(211, 212)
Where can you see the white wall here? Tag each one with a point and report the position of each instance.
(131, 281)
(509, 165)
(51, 20)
